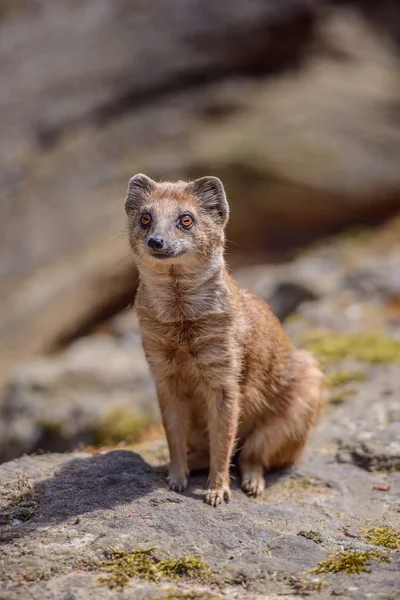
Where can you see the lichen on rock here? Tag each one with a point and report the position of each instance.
(382, 536)
(349, 562)
(124, 565)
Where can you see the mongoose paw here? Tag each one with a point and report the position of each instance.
(176, 484)
(215, 497)
(253, 484)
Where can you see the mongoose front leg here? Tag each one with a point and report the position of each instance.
(175, 421)
(223, 414)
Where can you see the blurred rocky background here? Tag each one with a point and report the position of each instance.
(293, 103)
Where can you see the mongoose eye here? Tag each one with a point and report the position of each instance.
(145, 219)
(186, 221)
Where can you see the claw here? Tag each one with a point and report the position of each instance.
(177, 485)
(253, 485)
(216, 497)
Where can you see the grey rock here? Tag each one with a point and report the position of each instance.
(287, 297)
(99, 384)
(115, 89)
(252, 546)
(373, 450)
(122, 87)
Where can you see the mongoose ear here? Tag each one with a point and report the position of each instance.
(211, 193)
(139, 186)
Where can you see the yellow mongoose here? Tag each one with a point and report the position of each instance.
(227, 376)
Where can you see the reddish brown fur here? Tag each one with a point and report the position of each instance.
(227, 375)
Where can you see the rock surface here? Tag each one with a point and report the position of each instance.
(99, 390)
(293, 104)
(86, 503)
(61, 513)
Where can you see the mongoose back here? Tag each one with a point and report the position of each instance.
(228, 378)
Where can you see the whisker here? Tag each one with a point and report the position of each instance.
(117, 236)
(120, 231)
(232, 243)
(121, 261)
(117, 239)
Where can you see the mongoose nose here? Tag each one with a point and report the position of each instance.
(155, 242)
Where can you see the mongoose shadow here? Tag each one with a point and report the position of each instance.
(106, 481)
(84, 485)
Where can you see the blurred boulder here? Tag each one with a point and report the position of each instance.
(96, 392)
(316, 150)
(373, 451)
(293, 104)
(89, 94)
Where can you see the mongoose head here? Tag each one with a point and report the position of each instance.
(176, 223)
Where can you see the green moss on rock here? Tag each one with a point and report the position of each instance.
(348, 561)
(122, 566)
(22, 500)
(339, 378)
(120, 426)
(332, 347)
(381, 536)
(187, 566)
(315, 536)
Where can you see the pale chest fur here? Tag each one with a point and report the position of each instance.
(188, 330)
(176, 299)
